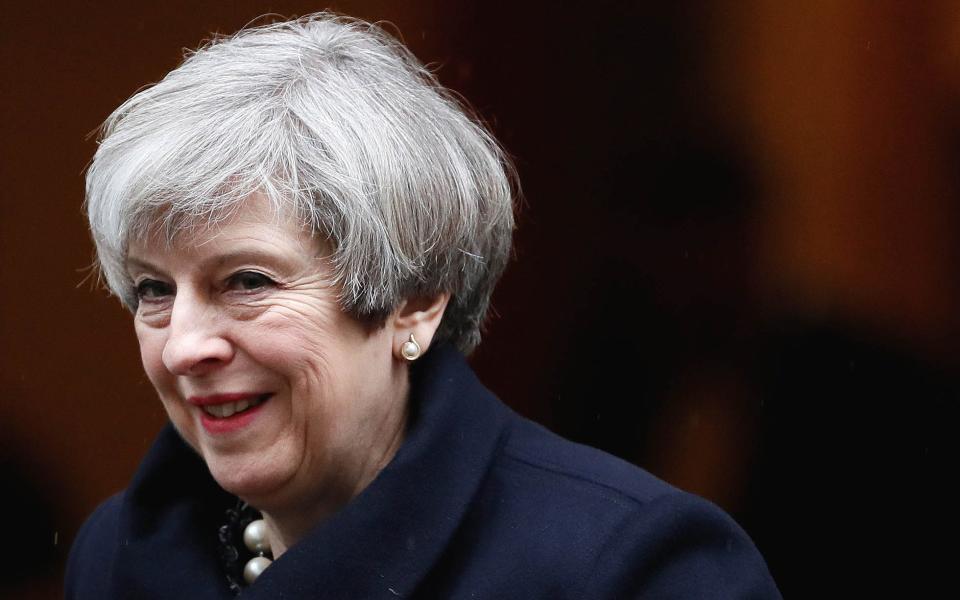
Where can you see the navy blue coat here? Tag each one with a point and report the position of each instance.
(477, 503)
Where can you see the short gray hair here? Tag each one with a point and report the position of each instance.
(335, 119)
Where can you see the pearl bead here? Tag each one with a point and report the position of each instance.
(255, 537)
(410, 350)
(254, 567)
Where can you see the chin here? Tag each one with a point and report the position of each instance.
(255, 484)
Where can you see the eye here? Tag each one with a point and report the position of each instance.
(249, 281)
(151, 290)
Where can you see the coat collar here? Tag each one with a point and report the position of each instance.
(381, 544)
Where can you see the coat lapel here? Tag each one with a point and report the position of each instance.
(388, 538)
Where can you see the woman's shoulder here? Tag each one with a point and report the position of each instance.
(606, 528)
(92, 551)
(578, 469)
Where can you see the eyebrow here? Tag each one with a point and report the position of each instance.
(245, 255)
(219, 260)
(133, 261)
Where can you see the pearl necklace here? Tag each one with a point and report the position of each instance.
(255, 539)
(244, 533)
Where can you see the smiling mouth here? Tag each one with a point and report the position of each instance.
(229, 409)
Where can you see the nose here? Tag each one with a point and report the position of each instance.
(196, 342)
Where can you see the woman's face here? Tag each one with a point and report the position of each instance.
(287, 399)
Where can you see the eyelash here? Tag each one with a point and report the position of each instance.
(152, 290)
(159, 289)
(261, 281)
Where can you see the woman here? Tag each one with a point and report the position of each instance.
(307, 229)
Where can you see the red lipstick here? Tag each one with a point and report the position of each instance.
(225, 413)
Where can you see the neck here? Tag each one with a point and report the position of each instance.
(289, 523)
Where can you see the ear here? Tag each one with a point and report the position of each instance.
(419, 317)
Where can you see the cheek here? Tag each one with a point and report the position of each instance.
(299, 340)
(151, 353)
(316, 352)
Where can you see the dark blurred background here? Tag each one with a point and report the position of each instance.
(736, 262)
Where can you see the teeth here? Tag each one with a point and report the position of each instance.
(222, 411)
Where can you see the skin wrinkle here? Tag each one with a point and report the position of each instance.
(338, 410)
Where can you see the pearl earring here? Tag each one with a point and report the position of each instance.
(410, 349)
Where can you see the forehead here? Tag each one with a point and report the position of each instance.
(253, 222)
